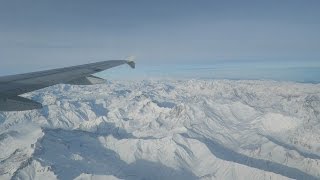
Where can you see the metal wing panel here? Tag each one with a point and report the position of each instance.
(18, 104)
(93, 67)
(23, 83)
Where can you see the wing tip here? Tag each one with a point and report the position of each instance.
(132, 64)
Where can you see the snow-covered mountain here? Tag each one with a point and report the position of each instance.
(166, 129)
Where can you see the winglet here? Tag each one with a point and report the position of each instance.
(130, 61)
(132, 64)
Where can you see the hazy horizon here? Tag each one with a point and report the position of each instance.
(52, 34)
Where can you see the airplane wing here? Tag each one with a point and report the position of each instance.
(12, 86)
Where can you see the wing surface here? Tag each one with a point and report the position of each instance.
(11, 86)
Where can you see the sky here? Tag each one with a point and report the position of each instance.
(43, 34)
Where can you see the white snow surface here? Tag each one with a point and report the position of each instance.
(166, 129)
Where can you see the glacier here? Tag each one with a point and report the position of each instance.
(166, 129)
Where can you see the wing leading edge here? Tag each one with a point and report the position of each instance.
(12, 86)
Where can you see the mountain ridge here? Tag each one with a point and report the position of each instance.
(156, 129)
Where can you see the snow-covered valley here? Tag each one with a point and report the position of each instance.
(166, 129)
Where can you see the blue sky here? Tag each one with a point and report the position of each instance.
(41, 34)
